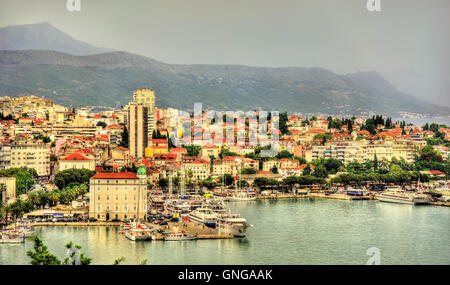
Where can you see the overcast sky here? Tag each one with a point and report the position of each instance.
(340, 35)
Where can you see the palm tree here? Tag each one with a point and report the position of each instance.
(2, 189)
(53, 198)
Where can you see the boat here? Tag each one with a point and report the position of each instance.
(216, 205)
(178, 236)
(356, 192)
(232, 224)
(12, 237)
(242, 196)
(176, 207)
(156, 202)
(397, 195)
(204, 216)
(139, 233)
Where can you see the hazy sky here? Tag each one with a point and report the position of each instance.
(340, 35)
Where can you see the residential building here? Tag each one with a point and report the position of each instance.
(118, 196)
(137, 130)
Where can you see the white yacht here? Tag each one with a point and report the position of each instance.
(216, 205)
(139, 233)
(178, 236)
(232, 224)
(12, 237)
(397, 195)
(242, 196)
(204, 216)
(176, 207)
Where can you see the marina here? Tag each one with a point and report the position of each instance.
(285, 231)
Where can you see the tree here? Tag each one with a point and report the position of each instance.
(332, 165)
(274, 169)
(24, 178)
(320, 172)
(72, 259)
(307, 170)
(284, 154)
(227, 179)
(124, 141)
(79, 176)
(193, 150)
(375, 162)
(101, 124)
(224, 152)
(283, 118)
(300, 159)
(41, 255)
(2, 190)
(247, 171)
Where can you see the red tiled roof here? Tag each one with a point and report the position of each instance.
(123, 175)
(75, 156)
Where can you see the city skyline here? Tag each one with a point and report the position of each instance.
(406, 39)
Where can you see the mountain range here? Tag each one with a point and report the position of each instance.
(54, 65)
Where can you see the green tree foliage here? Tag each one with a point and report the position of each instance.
(24, 178)
(192, 150)
(227, 179)
(224, 152)
(332, 165)
(263, 181)
(68, 176)
(307, 170)
(42, 137)
(157, 135)
(72, 259)
(41, 255)
(300, 159)
(247, 171)
(303, 180)
(124, 140)
(284, 154)
(283, 123)
(320, 172)
(101, 124)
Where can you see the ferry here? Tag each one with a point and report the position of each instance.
(356, 192)
(139, 233)
(12, 237)
(397, 195)
(242, 196)
(232, 224)
(216, 205)
(204, 216)
(176, 207)
(178, 236)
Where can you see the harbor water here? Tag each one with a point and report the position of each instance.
(295, 231)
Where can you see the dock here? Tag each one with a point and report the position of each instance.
(440, 203)
(339, 196)
(314, 195)
(201, 231)
(76, 224)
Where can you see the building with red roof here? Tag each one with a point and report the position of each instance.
(76, 161)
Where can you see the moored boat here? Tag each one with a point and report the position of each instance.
(232, 224)
(396, 195)
(179, 236)
(139, 233)
(12, 237)
(204, 216)
(242, 196)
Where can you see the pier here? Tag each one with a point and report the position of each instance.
(314, 195)
(201, 231)
(76, 224)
